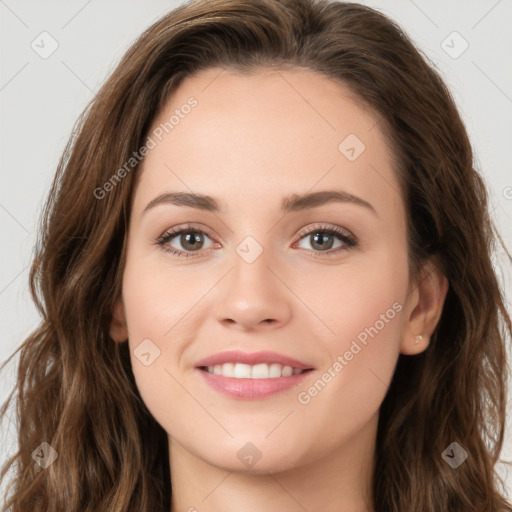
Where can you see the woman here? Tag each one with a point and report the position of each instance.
(265, 279)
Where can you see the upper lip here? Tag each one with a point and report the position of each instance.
(268, 357)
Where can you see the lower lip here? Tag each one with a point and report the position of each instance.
(252, 389)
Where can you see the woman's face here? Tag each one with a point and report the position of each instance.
(284, 158)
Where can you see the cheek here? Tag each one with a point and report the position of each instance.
(159, 305)
(159, 298)
(352, 384)
(362, 307)
(366, 293)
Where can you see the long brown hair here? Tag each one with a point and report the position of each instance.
(75, 389)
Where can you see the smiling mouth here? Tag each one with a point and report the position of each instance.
(257, 371)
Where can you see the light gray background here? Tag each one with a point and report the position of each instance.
(40, 100)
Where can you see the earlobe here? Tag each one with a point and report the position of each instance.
(425, 308)
(118, 328)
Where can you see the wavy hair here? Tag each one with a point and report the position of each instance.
(75, 388)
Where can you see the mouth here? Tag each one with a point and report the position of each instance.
(252, 376)
(257, 371)
(257, 365)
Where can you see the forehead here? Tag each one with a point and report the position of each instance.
(263, 133)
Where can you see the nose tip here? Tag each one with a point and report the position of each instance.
(251, 297)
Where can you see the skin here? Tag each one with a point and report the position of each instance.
(250, 141)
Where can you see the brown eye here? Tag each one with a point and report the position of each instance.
(183, 241)
(191, 240)
(320, 241)
(328, 239)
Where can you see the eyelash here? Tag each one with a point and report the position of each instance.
(348, 239)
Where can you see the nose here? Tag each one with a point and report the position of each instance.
(253, 297)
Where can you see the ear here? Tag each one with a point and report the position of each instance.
(118, 328)
(423, 309)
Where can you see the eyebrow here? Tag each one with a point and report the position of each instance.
(292, 203)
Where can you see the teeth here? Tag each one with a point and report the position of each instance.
(258, 371)
(242, 371)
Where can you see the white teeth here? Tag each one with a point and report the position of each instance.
(242, 371)
(227, 369)
(258, 371)
(274, 370)
(261, 371)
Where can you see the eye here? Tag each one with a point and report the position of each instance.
(187, 238)
(184, 241)
(322, 239)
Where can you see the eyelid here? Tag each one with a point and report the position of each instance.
(186, 227)
(319, 226)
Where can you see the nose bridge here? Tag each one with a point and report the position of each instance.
(251, 277)
(251, 294)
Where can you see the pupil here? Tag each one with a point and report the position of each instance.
(322, 241)
(188, 240)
